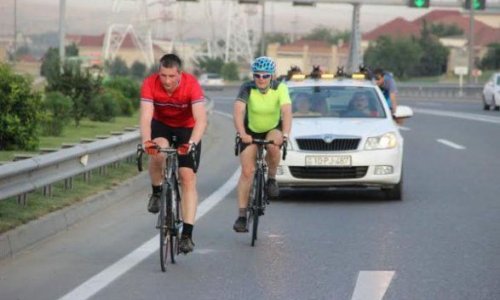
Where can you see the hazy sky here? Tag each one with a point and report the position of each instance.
(93, 16)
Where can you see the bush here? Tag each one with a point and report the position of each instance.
(128, 87)
(103, 108)
(58, 107)
(124, 104)
(21, 112)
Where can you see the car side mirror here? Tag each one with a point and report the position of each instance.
(403, 111)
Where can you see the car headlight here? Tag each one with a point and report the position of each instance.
(385, 141)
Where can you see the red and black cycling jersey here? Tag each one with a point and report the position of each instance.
(174, 109)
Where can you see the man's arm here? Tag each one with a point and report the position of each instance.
(146, 115)
(200, 117)
(393, 93)
(394, 102)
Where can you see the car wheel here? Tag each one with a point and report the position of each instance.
(494, 104)
(486, 105)
(395, 192)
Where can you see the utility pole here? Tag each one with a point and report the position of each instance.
(262, 29)
(471, 42)
(62, 33)
(14, 55)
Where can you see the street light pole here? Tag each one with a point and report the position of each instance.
(262, 29)
(14, 55)
(471, 42)
(62, 33)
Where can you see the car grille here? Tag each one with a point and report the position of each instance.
(321, 145)
(328, 172)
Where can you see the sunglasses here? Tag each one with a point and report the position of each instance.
(261, 76)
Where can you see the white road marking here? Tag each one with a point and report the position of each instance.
(111, 273)
(372, 285)
(460, 115)
(451, 144)
(404, 128)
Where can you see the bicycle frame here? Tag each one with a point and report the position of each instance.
(169, 220)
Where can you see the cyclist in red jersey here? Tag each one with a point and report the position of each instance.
(173, 104)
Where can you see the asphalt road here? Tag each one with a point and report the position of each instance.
(440, 242)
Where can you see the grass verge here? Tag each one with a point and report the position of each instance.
(13, 214)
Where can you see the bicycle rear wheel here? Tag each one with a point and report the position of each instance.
(172, 223)
(177, 220)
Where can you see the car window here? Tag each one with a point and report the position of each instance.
(498, 80)
(335, 101)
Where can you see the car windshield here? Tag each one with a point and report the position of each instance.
(498, 80)
(336, 101)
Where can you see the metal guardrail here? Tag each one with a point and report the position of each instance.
(23, 176)
(449, 91)
(18, 178)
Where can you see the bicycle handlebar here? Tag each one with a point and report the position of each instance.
(168, 151)
(237, 143)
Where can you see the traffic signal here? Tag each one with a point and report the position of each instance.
(476, 4)
(419, 3)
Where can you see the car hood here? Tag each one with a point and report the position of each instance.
(355, 127)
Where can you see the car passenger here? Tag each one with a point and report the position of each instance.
(360, 106)
(302, 105)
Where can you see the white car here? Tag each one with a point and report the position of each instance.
(211, 81)
(491, 93)
(337, 142)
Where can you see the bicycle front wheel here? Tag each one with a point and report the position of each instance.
(256, 205)
(164, 236)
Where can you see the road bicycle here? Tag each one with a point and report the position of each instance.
(258, 198)
(170, 217)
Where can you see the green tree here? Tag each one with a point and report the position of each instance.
(138, 70)
(51, 61)
(59, 112)
(21, 111)
(330, 36)
(442, 30)
(127, 86)
(491, 60)
(80, 86)
(118, 67)
(400, 56)
(230, 71)
(271, 38)
(104, 107)
(209, 65)
(435, 56)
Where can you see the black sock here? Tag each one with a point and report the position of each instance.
(157, 189)
(187, 229)
(243, 213)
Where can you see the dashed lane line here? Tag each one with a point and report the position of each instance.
(451, 144)
(372, 285)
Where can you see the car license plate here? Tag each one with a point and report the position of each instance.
(328, 160)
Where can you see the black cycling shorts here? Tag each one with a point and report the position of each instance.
(256, 135)
(182, 135)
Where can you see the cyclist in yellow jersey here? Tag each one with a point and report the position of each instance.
(262, 110)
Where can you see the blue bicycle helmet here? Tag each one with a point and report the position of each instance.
(263, 64)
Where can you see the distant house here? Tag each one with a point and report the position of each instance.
(484, 34)
(304, 54)
(91, 49)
